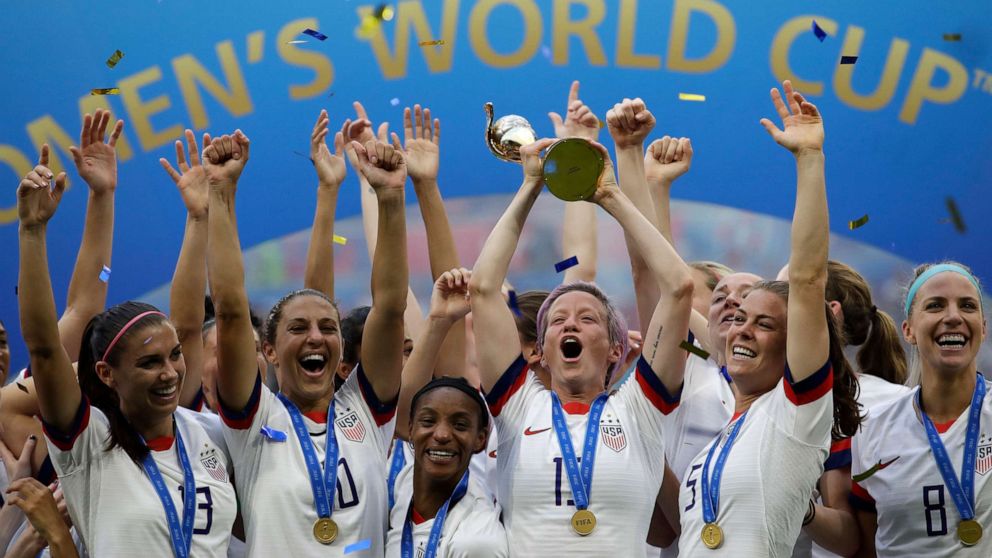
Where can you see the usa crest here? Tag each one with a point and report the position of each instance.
(611, 431)
(983, 461)
(213, 466)
(351, 426)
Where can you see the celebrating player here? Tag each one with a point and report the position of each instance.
(117, 436)
(309, 460)
(550, 506)
(915, 485)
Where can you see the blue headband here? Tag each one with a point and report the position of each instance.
(934, 270)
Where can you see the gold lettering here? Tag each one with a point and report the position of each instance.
(305, 58)
(890, 74)
(921, 88)
(782, 44)
(410, 14)
(141, 111)
(584, 29)
(626, 32)
(189, 73)
(726, 35)
(533, 31)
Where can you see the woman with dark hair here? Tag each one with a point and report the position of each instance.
(309, 460)
(748, 492)
(444, 510)
(137, 471)
(915, 486)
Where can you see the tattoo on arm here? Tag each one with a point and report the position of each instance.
(654, 346)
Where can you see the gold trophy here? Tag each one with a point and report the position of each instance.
(572, 166)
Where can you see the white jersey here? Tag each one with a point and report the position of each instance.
(874, 392)
(273, 483)
(113, 503)
(707, 403)
(770, 472)
(471, 530)
(916, 514)
(534, 490)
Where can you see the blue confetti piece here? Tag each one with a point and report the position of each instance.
(848, 59)
(565, 264)
(105, 274)
(514, 305)
(315, 34)
(820, 33)
(273, 434)
(358, 546)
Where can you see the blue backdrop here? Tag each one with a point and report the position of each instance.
(907, 125)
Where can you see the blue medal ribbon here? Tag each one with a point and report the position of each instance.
(711, 488)
(322, 483)
(395, 466)
(435, 537)
(180, 532)
(962, 492)
(581, 483)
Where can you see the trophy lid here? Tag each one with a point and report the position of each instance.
(572, 168)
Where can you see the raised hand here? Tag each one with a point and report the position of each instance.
(667, 159)
(629, 122)
(531, 160)
(96, 160)
(37, 199)
(382, 165)
(607, 185)
(801, 121)
(330, 168)
(450, 299)
(191, 178)
(579, 118)
(39, 505)
(225, 158)
(18, 467)
(359, 130)
(421, 144)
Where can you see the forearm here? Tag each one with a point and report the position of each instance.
(11, 518)
(28, 545)
(390, 271)
(579, 239)
(370, 215)
(419, 368)
(661, 195)
(319, 274)
(834, 530)
(440, 241)
(494, 259)
(186, 311)
(633, 183)
(810, 223)
(61, 545)
(87, 293)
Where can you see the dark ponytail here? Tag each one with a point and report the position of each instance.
(99, 333)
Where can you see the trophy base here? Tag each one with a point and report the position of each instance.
(572, 167)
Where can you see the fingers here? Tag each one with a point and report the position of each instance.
(173, 174)
(241, 144)
(28, 450)
(437, 132)
(360, 111)
(780, 107)
(104, 121)
(536, 147)
(77, 156)
(573, 92)
(556, 120)
(61, 181)
(194, 150)
(363, 156)
(771, 128)
(670, 151)
(338, 143)
(627, 114)
(396, 142)
(428, 135)
(181, 156)
(418, 121)
(27, 487)
(116, 134)
(790, 96)
(84, 134)
(407, 125)
(656, 148)
(43, 156)
(383, 133)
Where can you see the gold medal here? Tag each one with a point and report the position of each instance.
(712, 536)
(970, 532)
(583, 522)
(325, 530)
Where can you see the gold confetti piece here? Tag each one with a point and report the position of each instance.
(114, 58)
(106, 91)
(384, 12)
(952, 36)
(340, 240)
(690, 348)
(952, 208)
(22, 387)
(857, 223)
(295, 42)
(602, 124)
(691, 97)
(431, 43)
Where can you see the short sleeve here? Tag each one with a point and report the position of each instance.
(651, 403)
(804, 410)
(71, 449)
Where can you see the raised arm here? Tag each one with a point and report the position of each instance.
(382, 341)
(630, 122)
(237, 367)
(808, 345)
(449, 305)
(319, 274)
(422, 137)
(189, 282)
(38, 196)
(96, 162)
(669, 325)
(497, 344)
(578, 231)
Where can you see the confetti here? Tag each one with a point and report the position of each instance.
(384, 12)
(514, 305)
(431, 43)
(820, 33)
(952, 36)
(691, 97)
(340, 240)
(690, 348)
(358, 546)
(546, 51)
(952, 208)
(307, 157)
(602, 124)
(105, 274)
(858, 223)
(22, 387)
(273, 434)
(147, 341)
(848, 59)
(295, 42)
(315, 34)
(114, 58)
(565, 264)
(394, 101)
(105, 91)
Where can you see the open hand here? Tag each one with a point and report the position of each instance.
(330, 168)
(191, 178)
(667, 159)
(225, 158)
(579, 118)
(450, 299)
(630, 122)
(421, 144)
(96, 160)
(801, 121)
(37, 200)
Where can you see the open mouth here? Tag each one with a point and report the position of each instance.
(440, 455)
(166, 392)
(571, 348)
(951, 341)
(743, 353)
(313, 364)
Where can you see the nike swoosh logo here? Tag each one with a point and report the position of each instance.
(529, 432)
(874, 469)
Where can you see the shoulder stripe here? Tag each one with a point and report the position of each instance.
(382, 412)
(840, 455)
(810, 389)
(509, 383)
(654, 389)
(64, 440)
(240, 419)
(860, 499)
